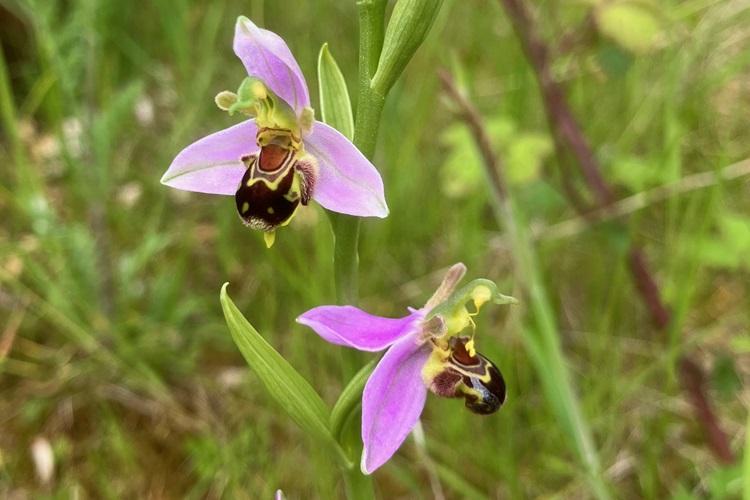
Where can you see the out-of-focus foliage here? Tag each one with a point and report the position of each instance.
(633, 24)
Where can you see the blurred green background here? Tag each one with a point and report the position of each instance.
(114, 354)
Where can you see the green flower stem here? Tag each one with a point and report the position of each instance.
(369, 109)
(357, 485)
(369, 102)
(345, 228)
(345, 257)
(371, 34)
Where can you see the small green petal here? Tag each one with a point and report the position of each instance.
(256, 100)
(225, 100)
(453, 309)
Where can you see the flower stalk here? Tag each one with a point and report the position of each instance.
(369, 108)
(370, 102)
(345, 228)
(383, 55)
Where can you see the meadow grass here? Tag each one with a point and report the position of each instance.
(119, 355)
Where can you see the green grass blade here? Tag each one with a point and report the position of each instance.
(546, 351)
(285, 384)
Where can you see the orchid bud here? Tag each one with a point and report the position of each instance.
(408, 27)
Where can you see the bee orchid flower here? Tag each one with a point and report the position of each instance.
(427, 350)
(281, 157)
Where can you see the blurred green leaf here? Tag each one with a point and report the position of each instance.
(682, 493)
(729, 247)
(461, 172)
(725, 482)
(736, 229)
(632, 24)
(713, 252)
(617, 237)
(636, 173)
(290, 389)
(458, 483)
(335, 106)
(614, 60)
(526, 154)
(724, 377)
